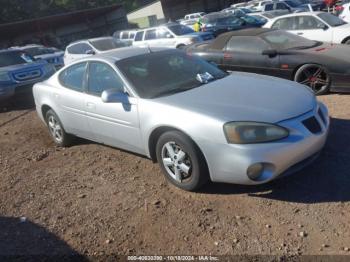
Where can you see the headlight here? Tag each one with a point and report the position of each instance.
(4, 76)
(49, 68)
(253, 132)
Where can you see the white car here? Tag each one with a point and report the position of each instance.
(84, 48)
(318, 26)
(259, 5)
(345, 13)
(171, 35)
(194, 16)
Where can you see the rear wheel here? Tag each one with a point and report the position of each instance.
(315, 77)
(181, 161)
(59, 135)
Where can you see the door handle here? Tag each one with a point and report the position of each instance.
(300, 33)
(90, 105)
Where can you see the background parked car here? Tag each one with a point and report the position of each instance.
(345, 13)
(318, 26)
(218, 23)
(84, 48)
(125, 36)
(172, 35)
(19, 71)
(194, 16)
(292, 6)
(50, 54)
(267, 16)
(320, 66)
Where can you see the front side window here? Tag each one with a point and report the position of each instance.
(178, 29)
(308, 23)
(102, 77)
(73, 77)
(151, 34)
(281, 6)
(268, 7)
(152, 74)
(246, 44)
(163, 33)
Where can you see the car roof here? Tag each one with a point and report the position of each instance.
(127, 52)
(220, 42)
(90, 39)
(299, 14)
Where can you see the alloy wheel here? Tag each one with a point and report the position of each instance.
(177, 163)
(315, 77)
(55, 129)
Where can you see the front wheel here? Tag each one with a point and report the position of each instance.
(181, 161)
(315, 77)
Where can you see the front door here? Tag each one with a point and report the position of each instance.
(244, 53)
(114, 124)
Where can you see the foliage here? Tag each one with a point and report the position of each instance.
(16, 10)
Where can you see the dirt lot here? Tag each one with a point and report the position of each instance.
(92, 200)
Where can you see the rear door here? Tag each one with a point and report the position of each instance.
(70, 100)
(244, 53)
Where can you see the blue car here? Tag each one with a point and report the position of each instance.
(51, 54)
(19, 71)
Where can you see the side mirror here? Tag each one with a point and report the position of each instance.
(325, 28)
(90, 52)
(270, 52)
(114, 96)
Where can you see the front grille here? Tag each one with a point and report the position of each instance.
(323, 118)
(312, 125)
(27, 75)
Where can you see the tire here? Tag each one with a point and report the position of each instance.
(181, 46)
(56, 130)
(316, 77)
(181, 161)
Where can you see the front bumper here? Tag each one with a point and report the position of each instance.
(229, 163)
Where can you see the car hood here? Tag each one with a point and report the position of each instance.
(246, 97)
(23, 66)
(196, 34)
(342, 28)
(331, 51)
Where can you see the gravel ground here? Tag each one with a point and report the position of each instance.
(91, 199)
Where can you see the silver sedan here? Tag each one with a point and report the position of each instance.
(198, 122)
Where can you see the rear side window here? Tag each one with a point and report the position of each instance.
(284, 24)
(151, 34)
(73, 77)
(139, 36)
(247, 44)
(79, 49)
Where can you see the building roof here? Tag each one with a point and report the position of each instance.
(10, 30)
(220, 42)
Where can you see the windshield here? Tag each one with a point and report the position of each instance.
(35, 51)
(330, 19)
(180, 29)
(167, 72)
(14, 58)
(107, 44)
(283, 40)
